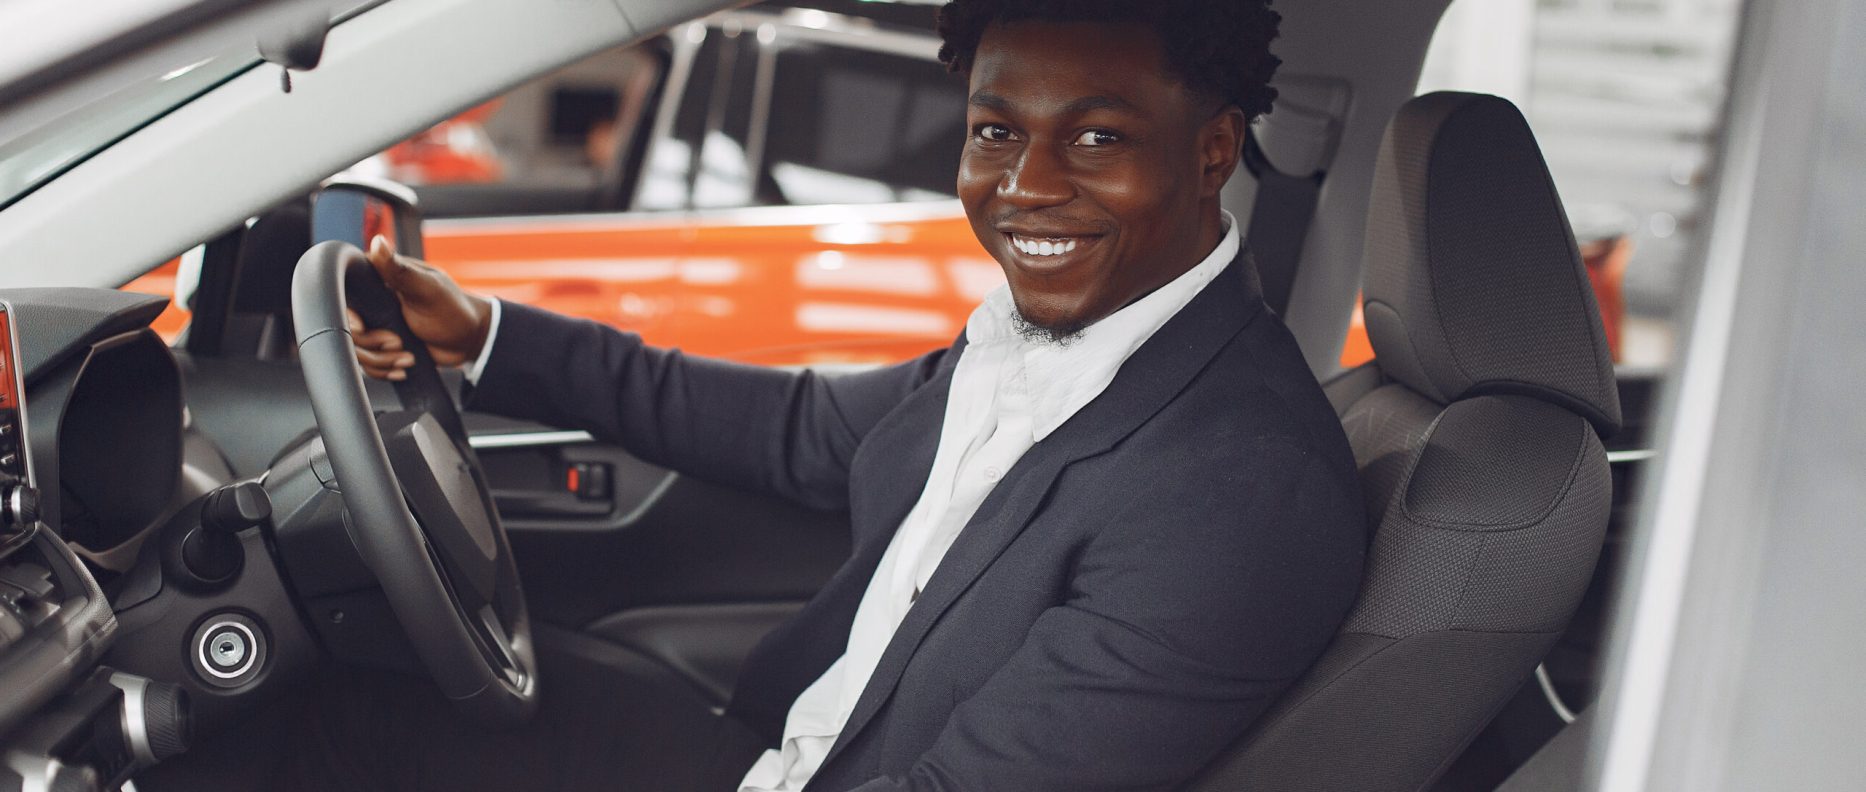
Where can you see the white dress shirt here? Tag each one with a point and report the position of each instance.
(1007, 394)
(478, 363)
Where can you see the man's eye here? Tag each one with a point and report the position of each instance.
(1097, 137)
(992, 132)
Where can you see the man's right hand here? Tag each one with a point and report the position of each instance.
(450, 320)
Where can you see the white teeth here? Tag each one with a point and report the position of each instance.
(1043, 247)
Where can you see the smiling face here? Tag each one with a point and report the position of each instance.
(1091, 173)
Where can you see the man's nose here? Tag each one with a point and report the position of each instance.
(1038, 178)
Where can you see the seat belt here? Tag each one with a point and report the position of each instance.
(1279, 221)
(213, 294)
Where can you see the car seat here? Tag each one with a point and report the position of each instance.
(1477, 430)
(260, 324)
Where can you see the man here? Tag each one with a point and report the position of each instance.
(1096, 537)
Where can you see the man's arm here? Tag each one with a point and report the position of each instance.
(1189, 613)
(788, 433)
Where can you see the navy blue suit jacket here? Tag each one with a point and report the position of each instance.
(1127, 601)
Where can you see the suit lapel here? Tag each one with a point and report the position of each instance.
(1156, 372)
(898, 452)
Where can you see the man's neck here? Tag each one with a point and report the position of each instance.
(1211, 232)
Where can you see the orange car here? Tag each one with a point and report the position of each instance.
(770, 185)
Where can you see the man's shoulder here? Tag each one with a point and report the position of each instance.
(1258, 395)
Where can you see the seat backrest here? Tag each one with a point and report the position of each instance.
(1477, 430)
(260, 323)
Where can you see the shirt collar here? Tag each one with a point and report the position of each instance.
(1061, 379)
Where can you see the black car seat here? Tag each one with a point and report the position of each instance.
(260, 324)
(1477, 430)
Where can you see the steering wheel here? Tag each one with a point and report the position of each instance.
(420, 512)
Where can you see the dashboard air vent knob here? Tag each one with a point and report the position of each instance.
(19, 510)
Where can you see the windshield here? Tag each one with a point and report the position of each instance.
(38, 156)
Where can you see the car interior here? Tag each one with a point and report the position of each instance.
(192, 551)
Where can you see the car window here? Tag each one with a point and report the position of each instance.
(555, 144)
(175, 279)
(766, 119)
(758, 115)
(1625, 97)
(703, 160)
(862, 127)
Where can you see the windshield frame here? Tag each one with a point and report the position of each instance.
(220, 69)
(46, 156)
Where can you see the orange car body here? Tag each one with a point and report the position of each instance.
(789, 286)
(778, 286)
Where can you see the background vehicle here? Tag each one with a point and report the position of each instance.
(1728, 625)
(638, 187)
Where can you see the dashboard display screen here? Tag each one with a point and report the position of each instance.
(12, 431)
(17, 518)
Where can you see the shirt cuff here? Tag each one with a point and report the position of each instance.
(478, 363)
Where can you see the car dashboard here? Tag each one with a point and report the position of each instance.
(146, 596)
(91, 425)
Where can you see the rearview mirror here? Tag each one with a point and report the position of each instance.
(297, 46)
(355, 209)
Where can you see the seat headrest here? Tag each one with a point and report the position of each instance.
(269, 254)
(1474, 284)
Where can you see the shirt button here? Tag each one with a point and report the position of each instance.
(993, 473)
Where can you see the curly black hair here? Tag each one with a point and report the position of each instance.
(1218, 48)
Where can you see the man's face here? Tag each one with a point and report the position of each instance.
(1087, 167)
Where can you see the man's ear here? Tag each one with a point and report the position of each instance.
(1221, 143)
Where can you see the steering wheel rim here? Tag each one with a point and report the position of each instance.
(464, 614)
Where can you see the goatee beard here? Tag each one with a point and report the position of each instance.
(1035, 333)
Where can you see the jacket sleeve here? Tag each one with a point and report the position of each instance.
(786, 433)
(1187, 615)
